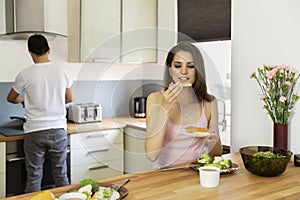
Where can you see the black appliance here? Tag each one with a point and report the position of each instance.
(140, 107)
(16, 171)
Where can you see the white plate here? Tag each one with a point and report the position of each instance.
(194, 134)
(200, 134)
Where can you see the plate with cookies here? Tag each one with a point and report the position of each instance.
(195, 131)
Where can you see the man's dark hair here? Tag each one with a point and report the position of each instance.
(38, 44)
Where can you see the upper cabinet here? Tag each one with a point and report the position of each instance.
(139, 32)
(100, 29)
(112, 31)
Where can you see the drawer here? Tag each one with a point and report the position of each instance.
(2, 157)
(101, 154)
(97, 171)
(96, 138)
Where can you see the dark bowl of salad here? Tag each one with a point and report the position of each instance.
(264, 160)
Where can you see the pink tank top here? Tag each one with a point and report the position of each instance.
(180, 146)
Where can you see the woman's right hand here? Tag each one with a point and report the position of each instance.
(170, 95)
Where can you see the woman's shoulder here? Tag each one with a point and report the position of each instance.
(209, 104)
(155, 97)
(213, 100)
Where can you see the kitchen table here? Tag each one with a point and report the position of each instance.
(184, 184)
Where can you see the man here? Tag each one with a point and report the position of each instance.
(43, 89)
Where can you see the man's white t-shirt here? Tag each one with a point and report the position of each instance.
(44, 87)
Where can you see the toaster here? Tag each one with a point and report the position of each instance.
(85, 112)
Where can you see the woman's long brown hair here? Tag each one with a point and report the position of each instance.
(200, 87)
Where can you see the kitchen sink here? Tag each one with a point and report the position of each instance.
(12, 130)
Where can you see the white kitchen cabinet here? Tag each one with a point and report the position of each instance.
(56, 16)
(2, 169)
(135, 155)
(100, 29)
(106, 31)
(96, 154)
(139, 32)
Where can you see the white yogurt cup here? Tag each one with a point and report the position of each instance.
(209, 176)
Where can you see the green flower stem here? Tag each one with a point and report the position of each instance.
(277, 84)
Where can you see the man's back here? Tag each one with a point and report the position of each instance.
(44, 86)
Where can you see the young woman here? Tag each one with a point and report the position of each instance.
(183, 102)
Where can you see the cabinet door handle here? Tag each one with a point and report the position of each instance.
(98, 150)
(99, 167)
(15, 159)
(97, 135)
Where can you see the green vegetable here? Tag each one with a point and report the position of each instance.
(87, 195)
(268, 154)
(93, 183)
(218, 161)
(205, 159)
(227, 163)
(107, 193)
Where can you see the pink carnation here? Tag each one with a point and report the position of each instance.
(288, 83)
(271, 74)
(294, 70)
(282, 99)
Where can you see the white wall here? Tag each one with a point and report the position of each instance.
(14, 57)
(262, 32)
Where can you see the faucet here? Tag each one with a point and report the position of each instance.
(223, 122)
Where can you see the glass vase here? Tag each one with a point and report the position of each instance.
(280, 136)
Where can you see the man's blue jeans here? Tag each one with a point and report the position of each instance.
(36, 144)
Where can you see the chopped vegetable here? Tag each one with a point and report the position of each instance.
(87, 190)
(217, 161)
(268, 154)
(93, 183)
(107, 193)
(227, 163)
(96, 192)
(205, 159)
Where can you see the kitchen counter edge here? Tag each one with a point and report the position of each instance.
(105, 124)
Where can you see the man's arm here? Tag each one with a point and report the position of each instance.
(14, 97)
(69, 95)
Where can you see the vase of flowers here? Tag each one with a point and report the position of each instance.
(277, 84)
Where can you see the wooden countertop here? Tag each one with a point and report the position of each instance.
(106, 123)
(184, 184)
